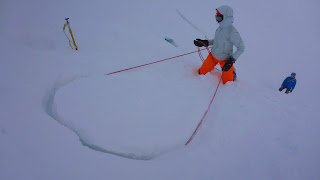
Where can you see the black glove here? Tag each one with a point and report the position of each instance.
(228, 64)
(200, 43)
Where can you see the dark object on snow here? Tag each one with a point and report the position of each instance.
(171, 41)
(234, 74)
(228, 64)
(200, 43)
(289, 83)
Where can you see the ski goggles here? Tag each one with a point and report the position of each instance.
(219, 18)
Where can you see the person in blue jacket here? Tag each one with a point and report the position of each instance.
(289, 83)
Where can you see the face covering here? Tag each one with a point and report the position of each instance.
(219, 18)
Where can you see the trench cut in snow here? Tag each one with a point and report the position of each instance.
(120, 114)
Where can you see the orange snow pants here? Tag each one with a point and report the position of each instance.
(210, 62)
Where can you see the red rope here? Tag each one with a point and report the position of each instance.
(154, 62)
(205, 114)
(199, 52)
(201, 57)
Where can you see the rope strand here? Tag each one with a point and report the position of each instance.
(153, 62)
(201, 57)
(205, 114)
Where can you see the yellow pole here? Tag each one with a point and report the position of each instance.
(74, 42)
(64, 27)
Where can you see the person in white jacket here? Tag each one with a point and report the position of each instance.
(226, 37)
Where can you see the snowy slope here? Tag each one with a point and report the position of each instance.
(61, 117)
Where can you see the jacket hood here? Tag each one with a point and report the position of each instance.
(227, 13)
(225, 10)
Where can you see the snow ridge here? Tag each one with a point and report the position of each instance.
(51, 109)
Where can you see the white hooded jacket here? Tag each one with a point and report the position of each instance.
(226, 37)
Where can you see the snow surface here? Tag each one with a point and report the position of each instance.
(61, 117)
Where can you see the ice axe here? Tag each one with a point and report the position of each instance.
(70, 31)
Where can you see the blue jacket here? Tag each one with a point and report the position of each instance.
(289, 82)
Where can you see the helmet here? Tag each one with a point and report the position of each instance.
(293, 74)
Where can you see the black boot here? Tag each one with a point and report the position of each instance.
(287, 90)
(234, 75)
(281, 88)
